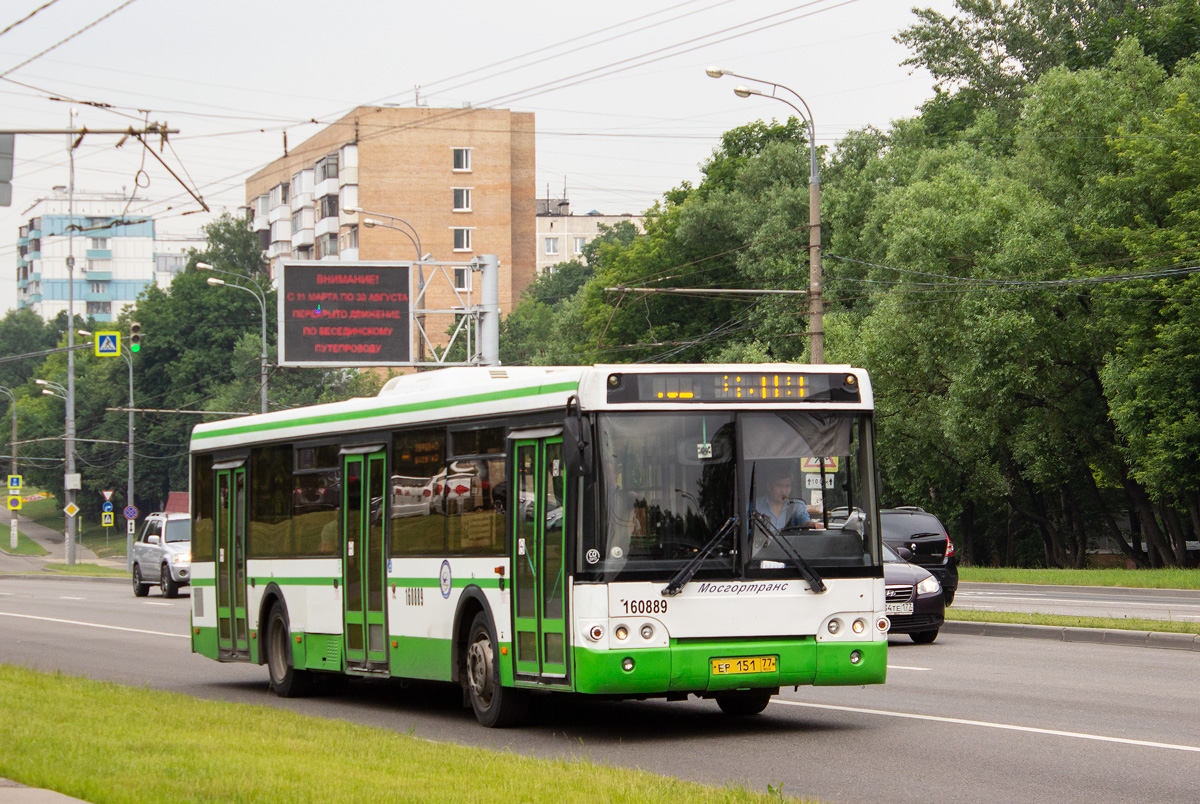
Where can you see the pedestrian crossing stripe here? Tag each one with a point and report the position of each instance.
(108, 344)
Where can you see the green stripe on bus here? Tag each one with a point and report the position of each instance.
(414, 407)
(298, 581)
(457, 583)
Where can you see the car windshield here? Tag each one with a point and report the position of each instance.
(670, 482)
(177, 530)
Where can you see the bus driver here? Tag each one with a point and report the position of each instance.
(776, 503)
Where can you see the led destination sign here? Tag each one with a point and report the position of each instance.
(345, 313)
(733, 387)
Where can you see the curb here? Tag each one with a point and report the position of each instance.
(1095, 636)
(44, 575)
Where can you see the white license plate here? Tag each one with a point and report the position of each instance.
(898, 608)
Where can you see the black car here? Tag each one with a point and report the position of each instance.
(914, 598)
(923, 534)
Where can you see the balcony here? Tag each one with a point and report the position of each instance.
(327, 226)
(303, 237)
(99, 254)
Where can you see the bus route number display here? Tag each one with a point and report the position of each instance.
(682, 387)
(345, 313)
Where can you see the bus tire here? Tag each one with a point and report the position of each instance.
(495, 706)
(286, 680)
(744, 703)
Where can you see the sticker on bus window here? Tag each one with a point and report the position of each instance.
(704, 451)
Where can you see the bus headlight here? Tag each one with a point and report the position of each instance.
(621, 632)
(596, 633)
(834, 626)
(647, 631)
(859, 626)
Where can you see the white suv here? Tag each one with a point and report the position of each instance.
(163, 554)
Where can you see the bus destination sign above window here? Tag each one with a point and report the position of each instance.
(685, 387)
(345, 313)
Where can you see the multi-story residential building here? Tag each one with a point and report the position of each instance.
(561, 236)
(463, 179)
(115, 256)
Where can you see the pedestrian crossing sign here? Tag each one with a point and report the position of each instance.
(108, 344)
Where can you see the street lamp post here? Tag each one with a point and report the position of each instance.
(13, 514)
(816, 330)
(260, 297)
(129, 454)
(412, 234)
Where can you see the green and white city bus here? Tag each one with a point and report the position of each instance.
(619, 531)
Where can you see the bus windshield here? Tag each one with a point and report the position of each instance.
(670, 481)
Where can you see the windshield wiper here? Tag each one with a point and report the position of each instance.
(680, 579)
(806, 569)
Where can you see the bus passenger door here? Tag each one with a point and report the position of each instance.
(233, 640)
(363, 560)
(537, 504)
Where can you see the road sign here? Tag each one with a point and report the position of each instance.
(130, 512)
(14, 482)
(107, 496)
(815, 464)
(14, 503)
(108, 344)
(106, 519)
(71, 509)
(107, 508)
(129, 526)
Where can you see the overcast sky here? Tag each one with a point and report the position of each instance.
(624, 108)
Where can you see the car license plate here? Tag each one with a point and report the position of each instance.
(898, 608)
(745, 664)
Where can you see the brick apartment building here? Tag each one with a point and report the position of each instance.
(464, 179)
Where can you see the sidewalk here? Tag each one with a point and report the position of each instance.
(13, 793)
(51, 540)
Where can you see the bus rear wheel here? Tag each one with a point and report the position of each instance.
(743, 703)
(286, 680)
(495, 706)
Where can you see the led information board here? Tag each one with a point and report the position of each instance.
(345, 313)
(733, 387)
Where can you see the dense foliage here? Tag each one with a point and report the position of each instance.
(1016, 266)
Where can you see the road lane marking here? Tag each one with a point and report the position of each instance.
(64, 597)
(988, 725)
(92, 625)
(905, 667)
(152, 603)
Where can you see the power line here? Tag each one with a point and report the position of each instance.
(28, 16)
(62, 42)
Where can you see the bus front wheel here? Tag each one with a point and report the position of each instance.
(495, 706)
(743, 703)
(286, 680)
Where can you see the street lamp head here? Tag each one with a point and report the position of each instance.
(83, 332)
(715, 72)
(212, 280)
(203, 266)
(352, 210)
(743, 91)
(47, 392)
(41, 382)
(370, 223)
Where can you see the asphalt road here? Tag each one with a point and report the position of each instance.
(968, 718)
(1082, 601)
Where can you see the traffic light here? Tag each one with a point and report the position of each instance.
(135, 336)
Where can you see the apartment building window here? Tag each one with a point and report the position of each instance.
(304, 253)
(327, 246)
(552, 246)
(350, 238)
(462, 199)
(462, 160)
(297, 221)
(99, 243)
(99, 308)
(462, 279)
(98, 287)
(327, 168)
(280, 194)
(462, 239)
(580, 242)
(329, 206)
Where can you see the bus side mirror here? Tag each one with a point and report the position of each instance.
(577, 442)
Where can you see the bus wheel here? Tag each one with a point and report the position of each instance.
(743, 703)
(495, 706)
(286, 680)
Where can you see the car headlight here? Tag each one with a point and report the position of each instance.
(929, 586)
(181, 558)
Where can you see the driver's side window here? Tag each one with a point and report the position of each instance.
(153, 528)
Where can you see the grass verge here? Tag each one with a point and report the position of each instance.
(1137, 578)
(1064, 621)
(90, 739)
(89, 570)
(104, 542)
(25, 545)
